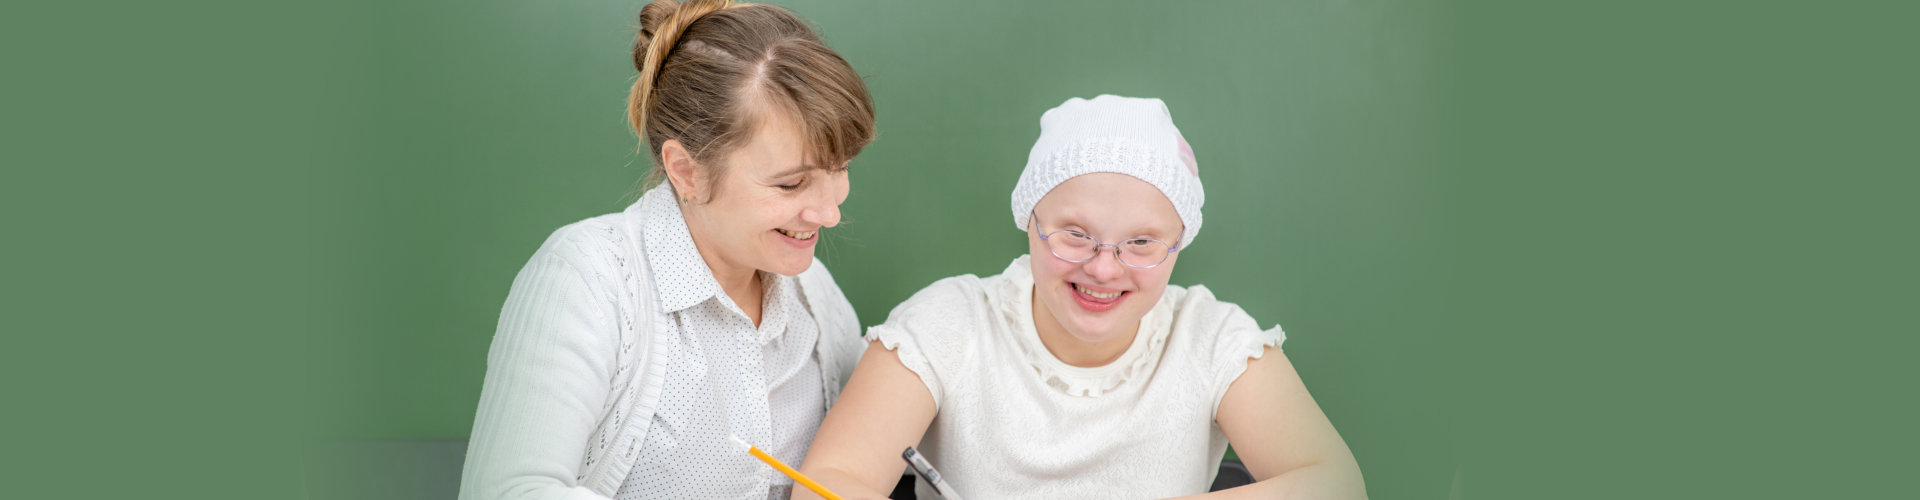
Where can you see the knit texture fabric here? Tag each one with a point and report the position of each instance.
(579, 365)
(1013, 421)
(1125, 135)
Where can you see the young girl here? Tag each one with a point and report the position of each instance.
(1079, 372)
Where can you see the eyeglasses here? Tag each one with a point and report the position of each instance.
(1077, 247)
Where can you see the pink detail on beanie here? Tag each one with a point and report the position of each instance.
(1186, 155)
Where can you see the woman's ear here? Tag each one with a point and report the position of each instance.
(680, 168)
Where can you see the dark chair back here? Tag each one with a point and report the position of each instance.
(1232, 473)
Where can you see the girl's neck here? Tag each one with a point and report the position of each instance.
(1070, 349)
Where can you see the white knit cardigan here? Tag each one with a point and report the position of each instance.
(572, 376)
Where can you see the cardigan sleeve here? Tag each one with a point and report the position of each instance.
(548, 381)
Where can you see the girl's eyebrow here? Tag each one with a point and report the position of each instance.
(1064, 221)
(1150, 232)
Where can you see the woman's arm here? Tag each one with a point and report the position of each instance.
(1284, 438)
(547, 380)
(885, 409)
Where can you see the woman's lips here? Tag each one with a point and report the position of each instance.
(799, 239)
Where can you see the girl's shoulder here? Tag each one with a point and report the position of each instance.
(1218, 334)
(1197, 306)
(949, 319)
(1223, 328)
(947, 304)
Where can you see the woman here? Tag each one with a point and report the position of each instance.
(633, 344)
(1079, 372)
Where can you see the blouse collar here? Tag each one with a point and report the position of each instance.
(1013, 298)
(681, 277)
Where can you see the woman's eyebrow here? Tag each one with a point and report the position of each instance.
(792, 171)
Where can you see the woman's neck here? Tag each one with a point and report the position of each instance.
(741, 283)
(1073, 351)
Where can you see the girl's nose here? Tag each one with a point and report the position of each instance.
(1105, 265)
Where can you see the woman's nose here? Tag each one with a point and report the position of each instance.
(823, 207)
(826, 215)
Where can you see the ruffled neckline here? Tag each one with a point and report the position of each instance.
(1014, 299)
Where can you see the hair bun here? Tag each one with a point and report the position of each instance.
(710, 70)
(662, 22)
(652, 17)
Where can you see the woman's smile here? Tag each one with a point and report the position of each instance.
(801, 239)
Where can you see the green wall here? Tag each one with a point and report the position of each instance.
(1526, 249)
(493, 123)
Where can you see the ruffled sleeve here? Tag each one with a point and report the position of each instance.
(1237, 340)
(931, 322)
(904, 344)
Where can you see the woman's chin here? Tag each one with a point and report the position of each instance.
(789, 264)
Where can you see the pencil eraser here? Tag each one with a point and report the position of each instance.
(743, 444)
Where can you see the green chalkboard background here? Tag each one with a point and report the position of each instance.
(496, 122)
(498, 125)
(1523, 249)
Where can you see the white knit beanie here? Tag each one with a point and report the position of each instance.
(1124, 135)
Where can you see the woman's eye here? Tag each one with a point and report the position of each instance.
(789, 187)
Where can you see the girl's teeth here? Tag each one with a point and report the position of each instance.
(1097, 295)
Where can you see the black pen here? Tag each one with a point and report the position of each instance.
(925, 470)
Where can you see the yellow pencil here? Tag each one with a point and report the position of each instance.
(784, 469)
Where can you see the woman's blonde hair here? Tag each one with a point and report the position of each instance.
(712, 70)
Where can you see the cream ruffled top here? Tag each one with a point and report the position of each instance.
(1015, 421)
(1013, 298)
